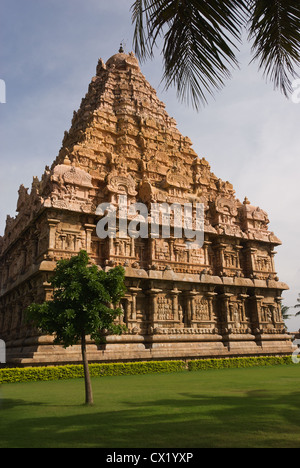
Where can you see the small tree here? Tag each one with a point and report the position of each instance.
(297, 306)
(285, 312)
(83, 304)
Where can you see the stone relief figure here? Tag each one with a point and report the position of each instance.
(236, 317)
(270, 316)
(231, 260)
(263, 264)
(234, 313)
(180, 313)
(201, 309)
(165, 308)
(267, 314)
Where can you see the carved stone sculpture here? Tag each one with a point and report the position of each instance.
(218, 300)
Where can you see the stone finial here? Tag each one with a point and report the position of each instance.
(67, 161)
(246, 201)
(100, 67)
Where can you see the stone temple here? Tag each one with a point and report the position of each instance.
(221, 300)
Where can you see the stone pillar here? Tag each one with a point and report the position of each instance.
(206, 257)
(132, 248)
(175, 303)
(250, 260)
(277, 313)
(152, 251)
(190, 301)
(220, 248)
(128, 309)
(52, 223)
(63, 241)
(133, 292)
(89, 228)
(171, 246)
(256, 310)
(226, 310)
(243, 298)
(272, 255)
(153, 312)
(210, 298)
(111, 247)
(238, 248)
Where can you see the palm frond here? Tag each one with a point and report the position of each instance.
(140, 17)
(284, 311)
(200, 40)
(274, 26)
(297, 306)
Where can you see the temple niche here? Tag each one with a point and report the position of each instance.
(222, 298)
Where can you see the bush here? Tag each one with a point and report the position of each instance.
(240, 362)
(133, 368)
(34, 374)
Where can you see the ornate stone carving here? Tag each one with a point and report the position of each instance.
(179, 302)
(121, 184)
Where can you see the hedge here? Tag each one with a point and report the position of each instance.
(239, 362)
(34, 374)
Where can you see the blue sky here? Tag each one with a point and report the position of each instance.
(249, 134)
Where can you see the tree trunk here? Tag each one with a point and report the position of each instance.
(88, 384)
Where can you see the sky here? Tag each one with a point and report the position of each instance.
(249, 133)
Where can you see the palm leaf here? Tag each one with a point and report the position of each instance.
(140, 16)
(297, 306)
(275, 29)
(284, 311)
(199, 41)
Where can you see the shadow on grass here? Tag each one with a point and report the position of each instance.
(252, 419)
(8, 404)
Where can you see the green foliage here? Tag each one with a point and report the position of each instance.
(297, 306)
(285, 312)
(33, 374)
(133, 368)
(232, 408)
(83, 302)
(240, 362)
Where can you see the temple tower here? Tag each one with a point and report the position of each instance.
(221, 299)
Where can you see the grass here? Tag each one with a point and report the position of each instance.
(234, 408)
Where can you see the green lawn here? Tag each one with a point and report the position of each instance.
(255, 407)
